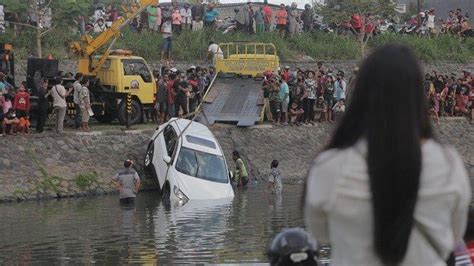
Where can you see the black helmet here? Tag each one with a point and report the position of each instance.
(293, 247)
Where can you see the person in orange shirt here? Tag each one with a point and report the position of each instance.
(281, 19)
(176, 20)
(267, 16)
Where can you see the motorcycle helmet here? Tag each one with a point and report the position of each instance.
(293, 246)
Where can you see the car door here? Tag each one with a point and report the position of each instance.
(166, 146)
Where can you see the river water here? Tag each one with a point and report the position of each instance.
(98, 230)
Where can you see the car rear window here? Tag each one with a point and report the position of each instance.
(200, 141)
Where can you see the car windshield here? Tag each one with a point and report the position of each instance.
(202, 165)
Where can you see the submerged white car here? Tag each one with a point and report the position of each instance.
(188, 162)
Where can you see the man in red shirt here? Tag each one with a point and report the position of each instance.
(22, 102)
(22, 107)
(171, 95)
(285, 75)
(267, 16)
(356, 22)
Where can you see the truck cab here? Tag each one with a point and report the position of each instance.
(119, 76)
(128, 74)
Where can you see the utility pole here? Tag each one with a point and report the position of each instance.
(418, 5)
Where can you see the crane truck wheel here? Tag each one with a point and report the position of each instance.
(136, 115)
(104, 119)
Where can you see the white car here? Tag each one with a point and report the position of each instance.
(188, 162)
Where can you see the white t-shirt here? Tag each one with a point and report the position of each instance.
(338, 207)
(431, 21)
(59, 96)
(215, 49)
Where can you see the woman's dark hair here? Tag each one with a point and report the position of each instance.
(84, 80)
(394, 129)
(274, 164)
(236, 154)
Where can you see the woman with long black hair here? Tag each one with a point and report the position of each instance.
(384, 191)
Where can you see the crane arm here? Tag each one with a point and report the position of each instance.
(88, 46)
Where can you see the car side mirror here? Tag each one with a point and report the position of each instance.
(166, 159)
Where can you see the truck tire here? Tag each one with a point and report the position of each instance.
(136, 113)
(104, 119)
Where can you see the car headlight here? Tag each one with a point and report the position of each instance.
(180, 195)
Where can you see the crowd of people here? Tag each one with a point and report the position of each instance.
(291, 97)
(450, 95)
(305, 97)
(15, 105)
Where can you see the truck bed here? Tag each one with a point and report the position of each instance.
(233, 100)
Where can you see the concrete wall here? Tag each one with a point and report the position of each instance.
(52, 166)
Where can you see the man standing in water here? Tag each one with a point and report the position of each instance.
(127, 183)
(241, 176)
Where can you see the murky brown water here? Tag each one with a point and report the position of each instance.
(98, 230)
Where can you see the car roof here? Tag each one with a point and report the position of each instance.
(198, 131)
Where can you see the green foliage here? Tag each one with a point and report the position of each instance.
(49, 183)
(84, 181)
(442, 48)
(323, 46)
(192, 46)
(65, 11)
(341, 10)
(16, 6)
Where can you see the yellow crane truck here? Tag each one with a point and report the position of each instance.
(116, 73)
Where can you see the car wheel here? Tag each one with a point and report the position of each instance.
(149, 155)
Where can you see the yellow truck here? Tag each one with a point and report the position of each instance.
(116, 73)
(235, 94)
(247, 58)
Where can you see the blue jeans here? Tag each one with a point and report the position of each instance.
(77, 116)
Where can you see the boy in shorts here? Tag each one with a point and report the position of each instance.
(167, 34)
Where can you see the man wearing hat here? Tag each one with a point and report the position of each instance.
(127, 183)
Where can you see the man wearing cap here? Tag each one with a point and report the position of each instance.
(127, 183)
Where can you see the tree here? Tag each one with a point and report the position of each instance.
(42, 16)
(337, 11)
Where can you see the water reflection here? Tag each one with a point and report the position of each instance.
(99, 230)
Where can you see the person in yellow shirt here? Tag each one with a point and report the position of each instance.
(241, 176)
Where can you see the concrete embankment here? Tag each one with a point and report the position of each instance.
(52, 166)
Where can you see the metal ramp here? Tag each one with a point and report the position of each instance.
(233, 100)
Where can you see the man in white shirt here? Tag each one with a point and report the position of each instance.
(186, 16)
(59, 94)
(215, 51)
(77, 92)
